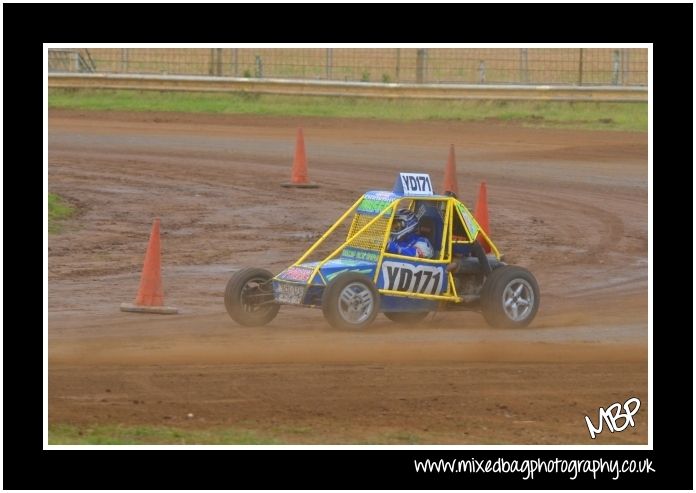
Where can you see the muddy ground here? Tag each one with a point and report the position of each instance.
(572, 206)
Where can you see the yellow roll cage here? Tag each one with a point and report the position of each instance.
(375, 233)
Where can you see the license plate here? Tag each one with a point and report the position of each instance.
(291, 294)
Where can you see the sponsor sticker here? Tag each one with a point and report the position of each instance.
(470, 224)
(359, 254)
(291, 294)
(296, 274)
(372, 206)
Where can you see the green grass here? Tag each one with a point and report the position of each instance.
(151, 435)
(64, 434)
(57, 209)
(584, 115)
(396, 438)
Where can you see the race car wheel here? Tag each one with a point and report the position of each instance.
(406, 318)
(350, 301)
(510, 297)
(249, 297)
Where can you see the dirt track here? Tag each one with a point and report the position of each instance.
(571, 206)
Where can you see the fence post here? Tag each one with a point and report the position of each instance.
(421, 65)
(235, 67)
(124, 59)
(624, 66)
(615, 68)
(215, 66)
(580, 68)
(524, 73)
(482, 72)
(329, 62)
(398, 63)
(259, 67)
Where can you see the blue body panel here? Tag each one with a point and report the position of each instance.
(291, 286)
(301, 273)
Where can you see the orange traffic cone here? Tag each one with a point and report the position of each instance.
(481, 214)
(450, 184)
(150, 298)
(299, 166)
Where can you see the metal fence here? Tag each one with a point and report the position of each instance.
(553, 66)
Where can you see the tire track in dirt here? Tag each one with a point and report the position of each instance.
(575, 215)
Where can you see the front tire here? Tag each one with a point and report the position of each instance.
(510, 297)
(249, 297)
(406, 318)
(350, 301)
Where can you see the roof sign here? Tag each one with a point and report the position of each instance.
(416, 184)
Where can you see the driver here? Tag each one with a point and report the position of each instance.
(404, 240)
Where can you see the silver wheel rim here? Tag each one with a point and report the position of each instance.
(518, 300)
(355, 303)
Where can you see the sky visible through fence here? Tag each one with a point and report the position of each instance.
(553, 66)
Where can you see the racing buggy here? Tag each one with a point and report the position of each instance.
(350, 274)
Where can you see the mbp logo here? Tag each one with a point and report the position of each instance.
(400, 276)
(612, 414)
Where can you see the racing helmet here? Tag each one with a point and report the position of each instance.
(405, 222)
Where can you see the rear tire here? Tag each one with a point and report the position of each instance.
(249, 297)
(406, 318)
(510, 297)
(350, 301)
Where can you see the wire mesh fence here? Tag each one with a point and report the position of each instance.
(553, 66)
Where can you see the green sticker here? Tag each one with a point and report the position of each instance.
(469, 220)
(372, 206)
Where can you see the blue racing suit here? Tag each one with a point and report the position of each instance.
(411, 246)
